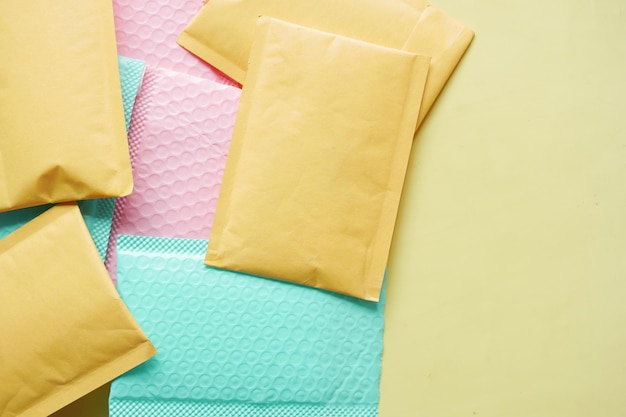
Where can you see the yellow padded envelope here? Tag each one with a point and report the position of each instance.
(223, 31)
(317, 160)
(445, 40)
(64, 329)
(62, 132)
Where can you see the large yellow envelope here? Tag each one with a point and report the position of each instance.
(64, 330)
(223, 31)
(62, 132)
(317, 160)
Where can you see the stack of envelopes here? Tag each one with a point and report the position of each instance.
(251, 252)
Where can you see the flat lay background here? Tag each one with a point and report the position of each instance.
(507, 277)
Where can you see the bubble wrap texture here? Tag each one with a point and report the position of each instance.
(147, 30)
(180, 135)
(131, 74)
(231, 344)
(97, 213)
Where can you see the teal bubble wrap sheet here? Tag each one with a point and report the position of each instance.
(232, 344)
(131, 75)
(97, 213)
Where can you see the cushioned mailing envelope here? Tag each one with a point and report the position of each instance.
(223, 31)
(233, 345)
(317, 160)
(65, 331)
(180, 137)
(62, 126)
(147, 30)
(445, 40)
(98, 213)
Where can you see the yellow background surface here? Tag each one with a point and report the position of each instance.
(507, 278)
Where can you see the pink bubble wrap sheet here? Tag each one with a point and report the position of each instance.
(147, 30)
(179, 138)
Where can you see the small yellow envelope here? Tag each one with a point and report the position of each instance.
(64, 329)
(317, 160)
(62, 130)
(223, 31)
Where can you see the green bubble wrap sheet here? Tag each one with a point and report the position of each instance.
(97, 213)
(232, 344)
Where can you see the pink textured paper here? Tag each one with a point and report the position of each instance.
(147, 30)
(179, 138)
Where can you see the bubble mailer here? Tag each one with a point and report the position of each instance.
(64, 330)
(318, 158)
(222, 33)
(234, 345)
(180, 135)
(131, 74)
(97, 213)
(62, 118)
(147, 30)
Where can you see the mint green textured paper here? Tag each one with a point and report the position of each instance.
(97, 213)
(232, 344)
